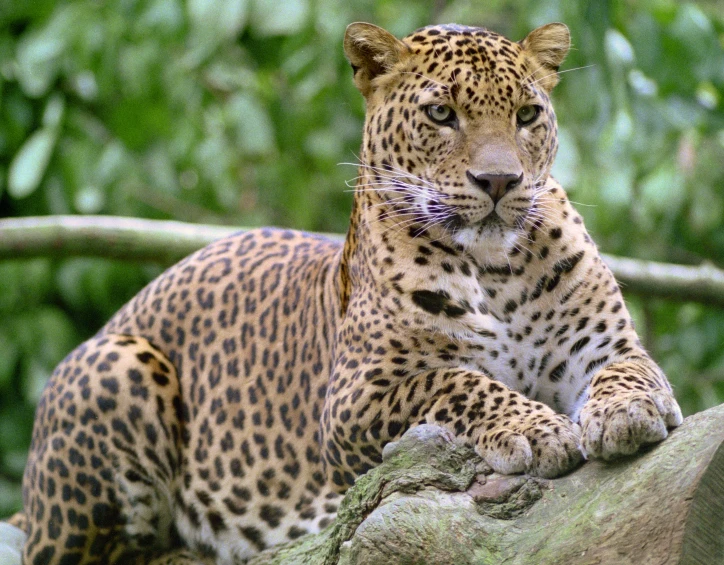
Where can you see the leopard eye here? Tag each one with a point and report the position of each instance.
(527, 114)
(440, 114)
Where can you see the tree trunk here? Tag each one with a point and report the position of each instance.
(429, 504)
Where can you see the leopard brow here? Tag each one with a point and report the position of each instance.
(425, 77)
(436, 94)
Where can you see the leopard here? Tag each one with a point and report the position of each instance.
(231, 403)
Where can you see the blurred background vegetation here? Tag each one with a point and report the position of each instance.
(239, 112)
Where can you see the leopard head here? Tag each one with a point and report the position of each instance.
(460, 134)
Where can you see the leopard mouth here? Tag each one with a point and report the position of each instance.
(455, 222)
(493, 220)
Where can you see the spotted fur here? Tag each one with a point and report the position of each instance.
(225, 407)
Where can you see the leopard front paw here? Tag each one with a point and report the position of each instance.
(545, 445)
(620, 424)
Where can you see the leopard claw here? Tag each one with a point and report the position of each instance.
(614, 428)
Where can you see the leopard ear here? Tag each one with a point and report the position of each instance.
(372, 51)
(548, 45)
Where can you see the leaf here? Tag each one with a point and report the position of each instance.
(9, 354)
(23, 284)
(44, 335)
(214, 21)
(35, 377)
(619, 51)
(642, 85)
(232, 17)
(54, 336)
(38, 61)
(617, 190)
(663, 191)
(89, 200)
(707, 95)
(567, 166)
(111, 163)
(30, 162)
(54, 110)
(271, 17)
(162, 16)
(254, 126)
(161, 171)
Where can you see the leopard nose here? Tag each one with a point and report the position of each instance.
(494, 185)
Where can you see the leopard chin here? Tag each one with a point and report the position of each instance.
(490, 240)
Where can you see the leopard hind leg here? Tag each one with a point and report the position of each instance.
(105, 457)
(19, 520)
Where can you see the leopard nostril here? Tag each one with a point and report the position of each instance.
(513, 183)
(495, 186)
(481, 181)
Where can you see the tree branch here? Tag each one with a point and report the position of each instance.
(428, 503)
(109, 237)
(433, 501)
(166, 242)
(704, 283)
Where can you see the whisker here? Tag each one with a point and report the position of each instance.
(384, 170)
(577, 203)
(526, 81)
(560, 73)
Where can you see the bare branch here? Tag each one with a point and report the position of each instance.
(703, 283)
(166, 242)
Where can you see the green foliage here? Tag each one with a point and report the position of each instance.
(239, 112)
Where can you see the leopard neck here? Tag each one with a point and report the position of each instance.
(381, 245)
